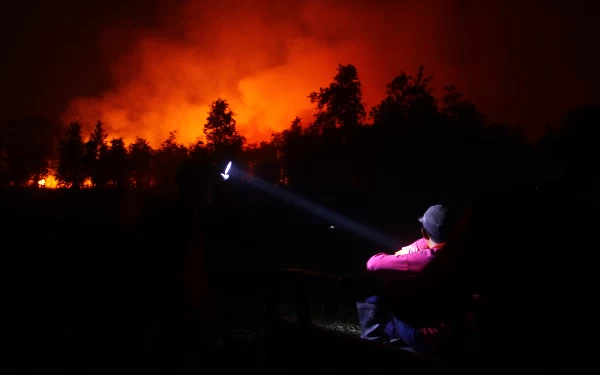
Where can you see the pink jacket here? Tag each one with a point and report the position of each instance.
(419, 254)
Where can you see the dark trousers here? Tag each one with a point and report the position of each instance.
(379, 325)
(373, 320)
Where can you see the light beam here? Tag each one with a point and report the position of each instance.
(327, 214)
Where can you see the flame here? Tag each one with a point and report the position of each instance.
(49, 181)
(264, 57)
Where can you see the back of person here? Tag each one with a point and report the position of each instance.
(421, 304)
(435, 302)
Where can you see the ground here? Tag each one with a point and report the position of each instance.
(81, 293)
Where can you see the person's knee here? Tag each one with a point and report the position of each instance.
(372, 299)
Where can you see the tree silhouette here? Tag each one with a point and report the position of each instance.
(262, 162)
(26, 148)
(116, 160)
(168, 157)
(335, 135)
(458, 111)
(504, 156)
(222, 137)
(461, 132)
(70, 169)
(141, 161)
(289, 145)
(340, 104)
(407, 97)
(94, 160)
(413, 137)
(199, 151)
(406, 123)
(573, 144)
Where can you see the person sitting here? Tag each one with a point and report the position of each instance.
(377, 323)
(416, 255)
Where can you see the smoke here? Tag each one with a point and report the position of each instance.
(266, 56)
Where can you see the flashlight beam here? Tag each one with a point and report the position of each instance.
(325, 213)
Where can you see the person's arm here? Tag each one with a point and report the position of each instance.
(383, 261)
(418, 245)
(409, 262)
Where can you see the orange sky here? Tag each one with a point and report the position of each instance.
(263, 60)
(266, 56)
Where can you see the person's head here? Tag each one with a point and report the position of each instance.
(435, 225)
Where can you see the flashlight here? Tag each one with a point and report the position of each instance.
(225, 175)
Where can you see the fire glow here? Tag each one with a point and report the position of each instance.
(263, 57)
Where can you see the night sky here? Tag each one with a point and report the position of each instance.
(148, 67)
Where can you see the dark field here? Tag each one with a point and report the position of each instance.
(83, 275)
(85, 290)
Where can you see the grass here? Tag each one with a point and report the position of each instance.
(342, 327)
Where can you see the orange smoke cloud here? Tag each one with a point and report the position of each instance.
(264, 57)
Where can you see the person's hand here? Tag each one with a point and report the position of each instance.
(403, 251)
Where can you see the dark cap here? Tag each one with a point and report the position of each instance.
(436, 221)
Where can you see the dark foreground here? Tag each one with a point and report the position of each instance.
(82, 279)
(81, 288)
